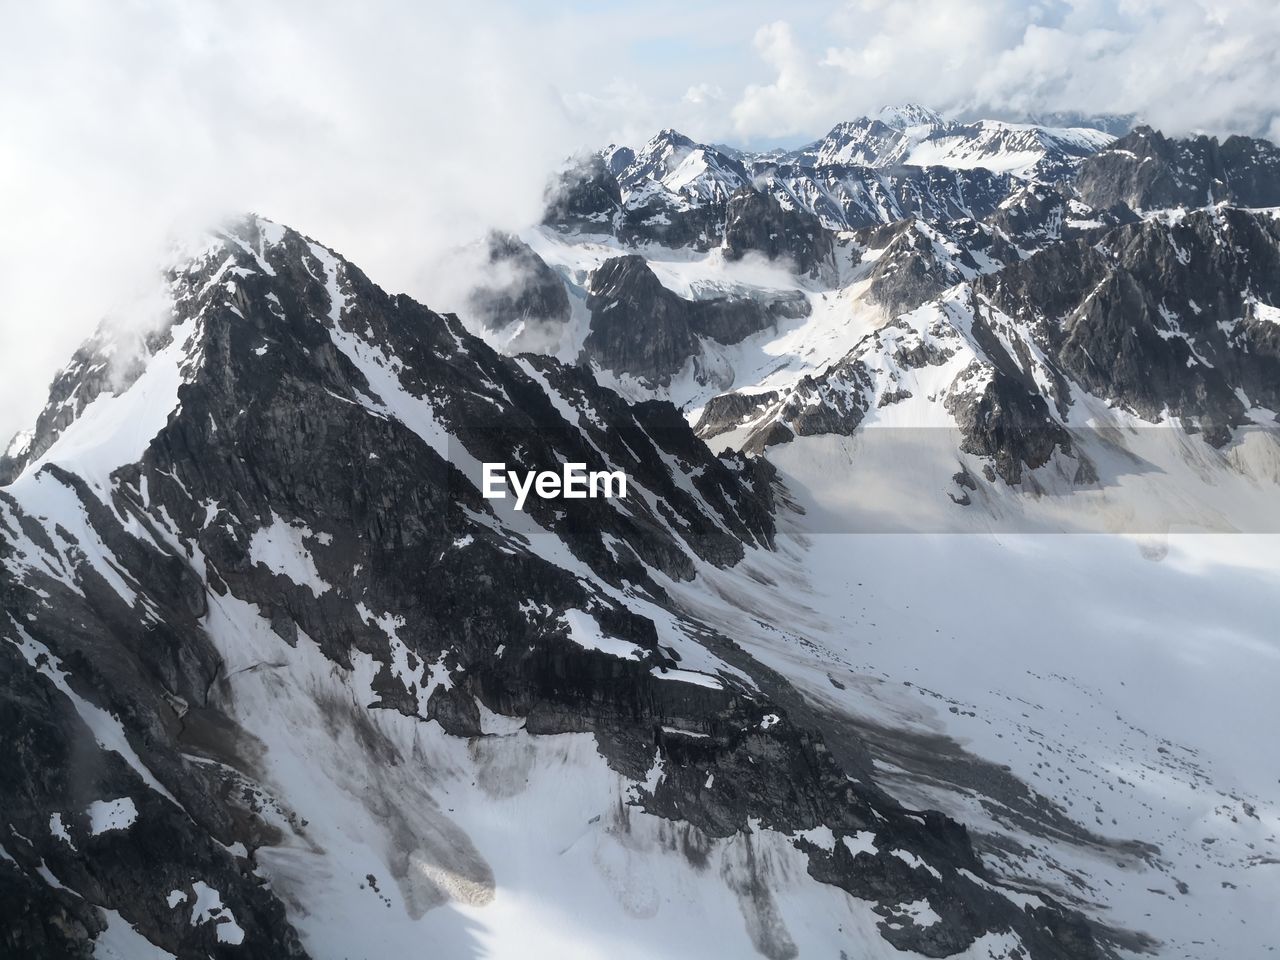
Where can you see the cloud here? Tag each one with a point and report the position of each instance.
(390, 130)
(796, 97)
(1184, 65)
(393, 130)
(701, 93)
(386, 133)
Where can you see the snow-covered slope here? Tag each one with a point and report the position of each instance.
(914, 136)
(1129, 385)
(275, 679)
(1039, 360)
(1095, 708)
(279, 682)
(908, 161)
(1025, 150)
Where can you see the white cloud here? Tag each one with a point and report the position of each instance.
(701, 93)
(794, 99)
(391, 129)
(388, 131)
(1184, 65)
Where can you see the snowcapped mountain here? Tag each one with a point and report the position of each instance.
(852, 259)
(908, 115)
(699, 172)
(912, 135)
(1171, 322)
(864, 142)
(866, 172)
(1086, 346)
(1025, 150)
(1147, 171)
(280, 680)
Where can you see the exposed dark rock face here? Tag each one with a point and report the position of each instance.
(692, 211)
(1009, 425)
(641, 328)
(42, 921)
(756, 221)
(1161, 318)
(1148, 171)
(656, 216)
(1038, 214)
(733, 319)
(638, 326)
(996, 405)
(730, 410)
(311, 401)
(916, 261)
(1065, 288)
(714, 174)
(584, 197)
(518, 285)
(617, 158)
(845, 197)
(867, 142)
(109, 361)
(678, 192)
(833, 402)
(840, 197)
(81, 648)
(843, 404)
(1252, 167)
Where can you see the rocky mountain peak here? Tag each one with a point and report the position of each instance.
(516, 286)
(617, 158)
(757, 221)
(1148, 171)
(585, 196)
(663, 153)
(906, 115)
(276, 613)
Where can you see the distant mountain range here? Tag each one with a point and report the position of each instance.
(1144, 267)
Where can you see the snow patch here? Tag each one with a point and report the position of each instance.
(59, 829)
(585, 631)
(105, 815)
(281, 548)
(208, 908)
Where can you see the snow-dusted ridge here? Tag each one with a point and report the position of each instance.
(313, 655)
(251, 579)
(1078, 347)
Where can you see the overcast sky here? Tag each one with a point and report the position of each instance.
(389, 130)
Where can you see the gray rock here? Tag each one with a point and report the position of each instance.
(640, 328)
(1147, 171)
(518, 286)
(584, 197)
(1160, 317)
(756, 221)
(295, 432)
